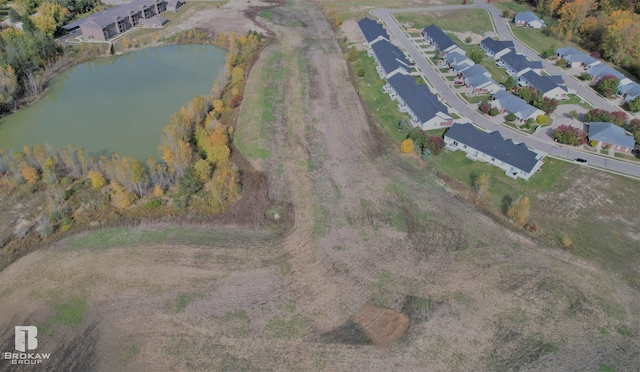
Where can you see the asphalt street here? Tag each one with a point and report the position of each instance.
(548, 147)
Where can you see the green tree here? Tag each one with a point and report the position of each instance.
(509, 83)
(476, 55)
(608, 85)
(634, 104)
(188, 183)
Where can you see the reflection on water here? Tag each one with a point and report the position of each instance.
(116, 104)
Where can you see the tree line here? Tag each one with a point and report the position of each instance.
(608, 28)
(195, 164)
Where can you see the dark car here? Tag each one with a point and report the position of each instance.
(581, 160)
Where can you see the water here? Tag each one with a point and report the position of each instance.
(116, 104)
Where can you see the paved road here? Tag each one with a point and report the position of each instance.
(546, 146)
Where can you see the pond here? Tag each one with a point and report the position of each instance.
(116, 104)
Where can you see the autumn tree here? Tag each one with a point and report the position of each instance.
(29, 173)
(519, 211)
(607, 86)
(8, 85)
(202, 169)
(621, 36)
(571, 15)
(237, 75)
(97, 179)
(406, 146)
(569, 135)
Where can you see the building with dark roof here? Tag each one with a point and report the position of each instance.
(517, 160)
(547, 85)
(108, 23)
(575, 58)
(424, 107)
(440, 40)
(390, 59)
(630, 91)
(496, 48)
(517, 64)
(372, 31)
(612, 135)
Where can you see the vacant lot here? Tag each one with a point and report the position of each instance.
(466, 20)
(382, 267)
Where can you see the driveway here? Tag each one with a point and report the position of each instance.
(543, 145)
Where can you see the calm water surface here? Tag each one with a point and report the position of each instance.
(116, 104)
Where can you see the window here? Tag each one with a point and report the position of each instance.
(493, 159)
(465, 146)
(455, 143)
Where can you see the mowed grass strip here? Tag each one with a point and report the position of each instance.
(378, 103)
(464, 20)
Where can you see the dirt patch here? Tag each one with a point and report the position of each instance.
(383, 326)
(351, 31)
(475, 38)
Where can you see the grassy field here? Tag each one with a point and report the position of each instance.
(467, 20)
(378, 103)
(536, 40)
(361, 8)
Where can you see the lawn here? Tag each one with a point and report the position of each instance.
(360, 8)
(498, 74)
(466, 20)
(536, 40)
(476, 99)
(574, 100)
(458, 166)
(377, 102)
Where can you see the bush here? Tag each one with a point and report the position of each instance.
(485, 107)
(569, 135)
(634, 105)
(493, 111)
(561, 62)
(542, 119)
(597, 114)
(618, 117)
(607, 86)
(509, 83)
(585, 76)
(360, 72)
(153, 203)
(573, 114)
(406, 146)
(189, 183)
(435, 144)
(511, 116)
(404, 126)
(468, 40)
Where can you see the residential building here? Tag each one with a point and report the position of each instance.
(575, 58)
(391, 60)
(528, 19)
(517, 160)
(479, 80)
(507, 102)
(629, 92)
(174, 5)
(424, 107)
(458, 62)
(547, 85)
(612, 135)
(517, 64)
(496, 48)
(440, 40)
(600, 70)
(108, 23)
(372, 31)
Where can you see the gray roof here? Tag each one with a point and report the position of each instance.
(75, 24)
(610, 133)
(542, 83)
(106, 17)
(632, 90)
(424, 104)
(372, 29)
(440, 39)
(572, 55)
(390, 56)
(496, 46)
(527, 17)
(513, 104)
(519, 62)
(601, 70)
(492, 144)
(455, 57)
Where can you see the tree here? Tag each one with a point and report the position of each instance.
(476, 55)
(481, 185)
(189, 183)
(29, 173)
(352, 55)
(45, 23)
(573, 114)
(546, 104)
(620, 36)
(634, 104)
(561, 62)
(511, 117)
(549, 52)
(202, 169)
(435, 144)
(571, 15)
(607, 86)
(618, 117)
(519, 211)
(406, 146)
(569, 135)
(493, 111)
(14, 16)
(597, 114)
(97, 179)
(237, 75)
(8, 84)
(485, 107)
(633, 126)
(542, 119)
(509, 83)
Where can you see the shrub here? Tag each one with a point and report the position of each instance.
(468, 40)
(569, 135)
(561, 62)
(485, 107)
(153, 203)
(435, 144)
(509, 83)
(123, 199)
(597, 114)
(189, 183)
(476, 55)
(585, 76)
(511, 116)
(158, 191)
(542, 119)
(352, 55)
(573, 114)
(404, 126)
(618, 117)
(566, 242)
(493, 111)
(607, 86)
(360, 72)
(97, 179)
(406, 146)
(634, 105)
